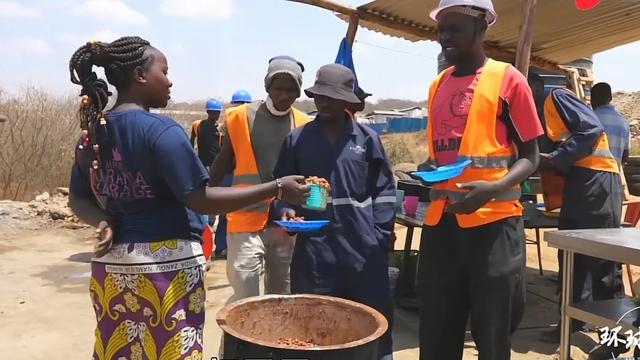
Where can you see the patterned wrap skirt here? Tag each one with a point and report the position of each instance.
(149, 301)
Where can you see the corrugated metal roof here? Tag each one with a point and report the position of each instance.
(562, 33)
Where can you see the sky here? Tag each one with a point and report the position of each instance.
(217, 46)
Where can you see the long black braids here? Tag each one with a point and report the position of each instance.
(118, 58)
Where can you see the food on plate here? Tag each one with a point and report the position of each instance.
(314, 180)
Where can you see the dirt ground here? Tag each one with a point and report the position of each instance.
(46, 312)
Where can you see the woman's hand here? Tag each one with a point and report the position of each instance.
(105, 239)
(294, 189)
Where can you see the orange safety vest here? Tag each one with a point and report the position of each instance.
(490, 159)
(196, 129)
(600, 158)
(254, 217)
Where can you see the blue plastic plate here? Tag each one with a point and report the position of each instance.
(303, 226)
(444, 172)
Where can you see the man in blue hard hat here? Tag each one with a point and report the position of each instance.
(238, 98)
(205, 137)
(241, 97)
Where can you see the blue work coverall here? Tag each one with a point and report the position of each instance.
(349, 257)
(592, 199)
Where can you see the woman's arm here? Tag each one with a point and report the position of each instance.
(220, 200)
(87, 210)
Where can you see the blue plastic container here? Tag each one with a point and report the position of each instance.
(303, 226)
(444, 172)
(317, 199)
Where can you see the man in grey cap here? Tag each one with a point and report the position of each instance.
(254, 136)
(349, 257)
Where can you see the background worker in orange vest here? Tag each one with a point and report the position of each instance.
(592, 192)
(238, 98)
(254, 135)
(205, 137)
(472, 252)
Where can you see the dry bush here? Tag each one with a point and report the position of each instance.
(405, 148)
(36, 144)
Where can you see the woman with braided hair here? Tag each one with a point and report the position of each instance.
(137, 179)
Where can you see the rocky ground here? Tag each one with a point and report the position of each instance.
(45, 210)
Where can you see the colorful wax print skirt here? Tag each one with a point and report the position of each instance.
(149, 301)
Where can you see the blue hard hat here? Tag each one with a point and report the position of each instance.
(241, 96)
(214, 105)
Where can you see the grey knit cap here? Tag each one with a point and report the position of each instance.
(283, 66)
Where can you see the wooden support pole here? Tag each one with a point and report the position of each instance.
(525, 40)
(353, 28)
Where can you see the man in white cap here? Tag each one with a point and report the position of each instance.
(472, 254)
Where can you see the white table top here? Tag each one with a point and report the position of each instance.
(621, 245)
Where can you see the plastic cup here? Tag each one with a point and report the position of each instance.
(317, 199)
(399, 198)
(526, 187)
(411, 205)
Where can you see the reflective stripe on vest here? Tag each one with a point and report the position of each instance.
(252, 218)
(490, 160)
(600, 158)
(455, 196)
(361, 204)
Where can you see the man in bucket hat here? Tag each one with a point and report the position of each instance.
(472, 252)
(349, 257)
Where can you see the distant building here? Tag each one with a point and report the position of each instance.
(414, 112)
(383, 116)
(363, 121)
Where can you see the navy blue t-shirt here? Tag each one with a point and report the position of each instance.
(148, 169)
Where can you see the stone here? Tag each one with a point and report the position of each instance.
(62, 191)
(43, 197)
(59, 213)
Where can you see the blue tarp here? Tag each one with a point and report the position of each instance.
(345, 57)
(379, 128)
(406, 124)
(400, 125)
